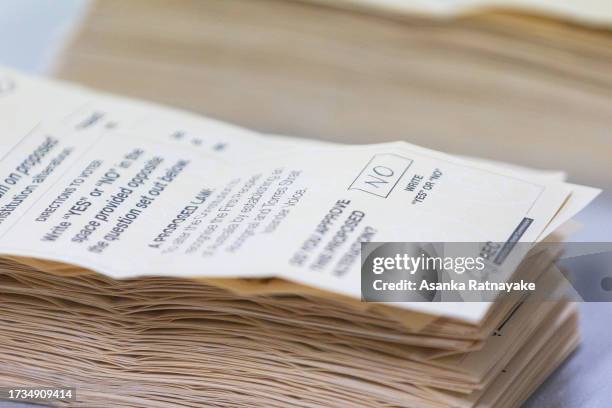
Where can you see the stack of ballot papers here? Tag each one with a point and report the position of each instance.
(502, 79)
(157, 258)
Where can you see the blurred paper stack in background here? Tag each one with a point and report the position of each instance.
(496, 84)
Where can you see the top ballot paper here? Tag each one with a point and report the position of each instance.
(130, 189)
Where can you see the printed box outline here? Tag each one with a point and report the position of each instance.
(368, 164)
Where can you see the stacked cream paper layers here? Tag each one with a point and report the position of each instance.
(236, 309)
(466, 85)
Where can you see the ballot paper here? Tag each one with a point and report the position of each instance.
(121, 189)
(154, 257)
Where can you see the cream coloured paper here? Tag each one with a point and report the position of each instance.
(124, 189)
